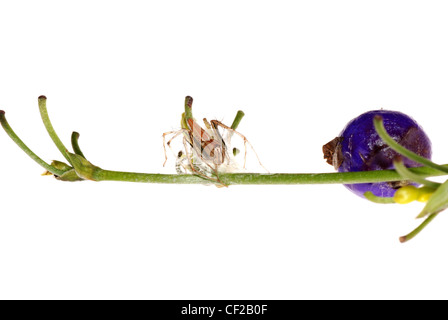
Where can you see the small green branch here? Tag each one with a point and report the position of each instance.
(24, 147)
(408, 175)
(42, 100)
(236, 122)
(75, 145)
(381, 130)
(417, 230)
(373, 198)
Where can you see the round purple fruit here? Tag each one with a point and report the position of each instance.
(359, 148)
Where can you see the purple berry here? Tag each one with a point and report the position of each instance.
(359, 148)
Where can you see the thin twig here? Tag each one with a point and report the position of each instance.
(25, 148)
(47, 123)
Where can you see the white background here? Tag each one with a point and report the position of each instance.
(118, 72)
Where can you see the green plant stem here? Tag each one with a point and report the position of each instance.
(383, 200)
(24, 147)
(75, 145)
(381, 130)
(42, 100)
(417, 230)
(265, 179)
(408, 175)
(236, 122)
